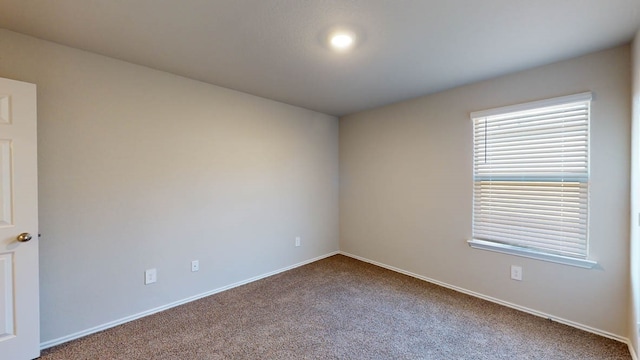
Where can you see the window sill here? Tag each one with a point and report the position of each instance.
(518, 251)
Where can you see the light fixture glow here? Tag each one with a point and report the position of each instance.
(342, 38)
(341, 41)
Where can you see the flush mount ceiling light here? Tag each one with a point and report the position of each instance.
(341, 39)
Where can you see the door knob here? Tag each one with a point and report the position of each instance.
(24, 237)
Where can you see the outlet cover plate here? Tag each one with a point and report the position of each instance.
(516, 272)
(150, 276)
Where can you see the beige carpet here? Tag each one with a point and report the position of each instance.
(340, 308)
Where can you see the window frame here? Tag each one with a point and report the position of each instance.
(501, 247)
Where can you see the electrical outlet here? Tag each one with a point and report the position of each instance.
(516, 272)
(297, 240)
(150, 276)
(195, 265)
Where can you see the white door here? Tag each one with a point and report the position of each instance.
(19, 297)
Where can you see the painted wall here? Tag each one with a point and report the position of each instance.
(406, 191)
(634, 307)
(141, 169)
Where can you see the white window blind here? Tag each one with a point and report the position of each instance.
(531, 175)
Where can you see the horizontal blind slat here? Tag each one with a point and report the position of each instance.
(505, 133)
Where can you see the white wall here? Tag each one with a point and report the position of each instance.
(634, 307)
(406, 191)
(140, 169)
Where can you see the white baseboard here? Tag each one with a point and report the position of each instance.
(500, 302)
(95, 329)
(634, 356)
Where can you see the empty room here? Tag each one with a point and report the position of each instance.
(319, 179)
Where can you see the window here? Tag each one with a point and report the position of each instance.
(531, 179)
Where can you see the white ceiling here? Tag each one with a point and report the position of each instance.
(274, 48)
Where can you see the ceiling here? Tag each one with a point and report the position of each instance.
(276, 49)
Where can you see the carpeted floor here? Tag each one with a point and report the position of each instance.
(340, 308)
